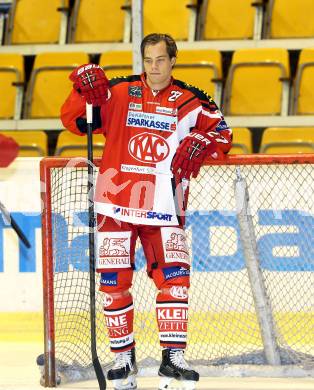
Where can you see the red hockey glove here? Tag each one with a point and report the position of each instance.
(91, 82)
(192, 152)
(8, 150)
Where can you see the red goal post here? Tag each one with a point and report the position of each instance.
(225, 327)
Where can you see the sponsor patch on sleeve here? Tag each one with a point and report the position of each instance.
(222, 125)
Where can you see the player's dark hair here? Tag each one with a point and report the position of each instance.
(153, 39)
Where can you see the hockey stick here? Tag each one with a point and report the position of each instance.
(10, 220)
(91, 223)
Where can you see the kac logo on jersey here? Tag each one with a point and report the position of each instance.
(149, 148)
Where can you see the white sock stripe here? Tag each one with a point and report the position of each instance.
(173, 336)
(121, 341)
(117, 312)
(179, 304)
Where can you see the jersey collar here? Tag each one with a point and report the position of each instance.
(143, 79)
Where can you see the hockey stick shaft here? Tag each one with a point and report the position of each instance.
(91, 219)
(11, 221)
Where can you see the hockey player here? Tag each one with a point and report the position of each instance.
(158, 131)
(8, 150)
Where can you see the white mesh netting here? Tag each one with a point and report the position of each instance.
(223, 326)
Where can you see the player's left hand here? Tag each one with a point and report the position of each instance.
(91, 82)
(192, 152)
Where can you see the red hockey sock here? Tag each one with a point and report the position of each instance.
(172, 316)
(119, 313)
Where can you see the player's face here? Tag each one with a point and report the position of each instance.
(158, 65)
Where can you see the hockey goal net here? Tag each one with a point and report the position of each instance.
(231, 322)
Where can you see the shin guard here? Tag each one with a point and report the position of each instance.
(172, 307)
(119, 313)
(118, 309)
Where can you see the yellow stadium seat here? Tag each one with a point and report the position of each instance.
(242, 141)
(162, 16)
(37, 21)
(98, 21)
(32, 143)
(72, 145)
(258, 82)
(200, 68)
(116, 63)
(11, 85)
(290, 19)
(49, 84)
(280, 140)
(229, 19)
(303, 91)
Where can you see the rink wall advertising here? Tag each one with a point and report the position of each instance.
(21, 269)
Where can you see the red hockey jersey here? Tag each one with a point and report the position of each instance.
(143, 129)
